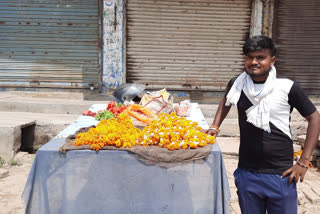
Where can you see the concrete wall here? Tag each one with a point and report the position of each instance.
(262, 17)
(10, 141)
(113, 27)
(256, 18)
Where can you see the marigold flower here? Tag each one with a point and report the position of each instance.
(173, 132)
(117, 132)
(168, 131)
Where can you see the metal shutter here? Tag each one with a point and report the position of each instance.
(186, 44)
(298, 39)
(49, 43)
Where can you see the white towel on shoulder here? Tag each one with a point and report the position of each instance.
(259, 113)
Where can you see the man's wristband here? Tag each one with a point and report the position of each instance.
(300, 164)
(214, 128)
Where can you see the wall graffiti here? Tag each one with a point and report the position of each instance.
(113, 44)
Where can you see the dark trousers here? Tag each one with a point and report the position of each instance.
(261, 192)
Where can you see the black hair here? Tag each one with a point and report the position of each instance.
(256, 43)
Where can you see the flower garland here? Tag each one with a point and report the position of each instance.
(117, 132)
(173, 132)
(168, 131)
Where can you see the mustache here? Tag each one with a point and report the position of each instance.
(254, 66)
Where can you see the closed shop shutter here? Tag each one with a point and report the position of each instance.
(49, 43)
(298, 37)
(186, 44)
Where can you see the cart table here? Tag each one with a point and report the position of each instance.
(120, 182)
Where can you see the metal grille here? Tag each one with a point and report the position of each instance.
(188, 45)
(298, 39)
(49, 43)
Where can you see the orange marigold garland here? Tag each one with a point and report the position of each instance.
(117, 132)
(173, 132)
(168, 131)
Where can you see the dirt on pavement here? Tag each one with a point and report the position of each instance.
(11, 187)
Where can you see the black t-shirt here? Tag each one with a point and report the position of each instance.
(271, 152)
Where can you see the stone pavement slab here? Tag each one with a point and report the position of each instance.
(229, 145)
(8, 118)
(4, 173)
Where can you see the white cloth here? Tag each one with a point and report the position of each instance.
(259, 113)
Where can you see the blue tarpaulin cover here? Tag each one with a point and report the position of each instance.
(119, 182)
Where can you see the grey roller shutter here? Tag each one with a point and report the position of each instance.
(186, 44)
(298, 37)
(49, 43)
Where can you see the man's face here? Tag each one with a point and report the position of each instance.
(258, 63)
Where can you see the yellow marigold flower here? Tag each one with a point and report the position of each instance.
(174, 132)
(116, 131)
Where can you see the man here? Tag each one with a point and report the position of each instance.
(266, 177)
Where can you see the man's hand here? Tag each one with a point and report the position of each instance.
(300, 168)
(210, 132)
(296, 173)
(221, 113)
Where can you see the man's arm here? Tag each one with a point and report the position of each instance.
(298, 171)
(220, 115)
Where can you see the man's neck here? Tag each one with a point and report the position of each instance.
(259, 82)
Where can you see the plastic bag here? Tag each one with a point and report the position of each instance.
(158, 101)
(183, 108)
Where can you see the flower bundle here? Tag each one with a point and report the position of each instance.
(173, 132)
(117, 132)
